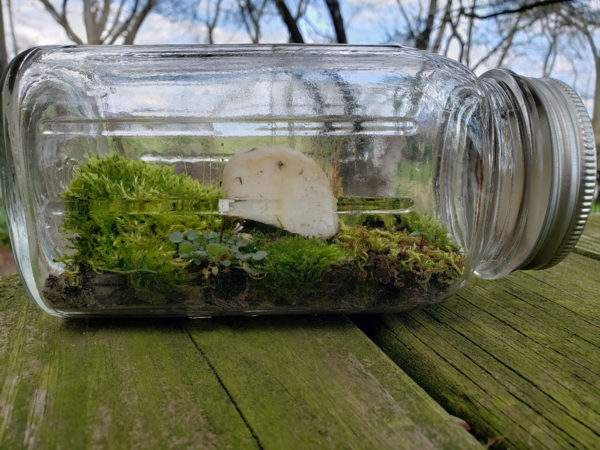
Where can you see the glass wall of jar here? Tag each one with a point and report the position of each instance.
(205, 180)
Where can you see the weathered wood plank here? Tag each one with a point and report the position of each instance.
(317, 382)
(589, 243)
(291, 382)
(72, 384)
(518, 359)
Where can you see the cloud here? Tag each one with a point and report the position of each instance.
(367, 21)
(35, 26)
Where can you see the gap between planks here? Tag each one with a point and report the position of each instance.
(292, 382)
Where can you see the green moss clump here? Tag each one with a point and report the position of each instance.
(121, 213)
(412, 223)
(400, 258)
(430, 229)
(296, 265)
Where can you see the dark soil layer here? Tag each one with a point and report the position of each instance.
(233, 292)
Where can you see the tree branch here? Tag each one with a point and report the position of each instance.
(104, 17)
(470, 36)
(406, 19)
(109, 35)
(125, 25)
(11, 23)
(422, 40)
(442, 28)
(338, 22)
(61, 19)
(520, 9)
(505, 42)
(137, 22)
(290, 22)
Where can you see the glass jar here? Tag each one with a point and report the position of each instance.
(205, 180)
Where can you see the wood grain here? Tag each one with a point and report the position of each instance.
(589, 243)
(317, 382)
(292, 382)
(518, 358)
(111, 384)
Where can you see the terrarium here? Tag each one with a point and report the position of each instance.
(209, 180)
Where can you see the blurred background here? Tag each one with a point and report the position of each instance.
(538, 38)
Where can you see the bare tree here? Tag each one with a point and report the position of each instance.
(585, 20)
(207, 13)
(213, 12)
(105, 21)
(251, 13)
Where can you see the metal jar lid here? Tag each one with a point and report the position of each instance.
(571, 143)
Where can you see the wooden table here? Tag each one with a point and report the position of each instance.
(518, 360)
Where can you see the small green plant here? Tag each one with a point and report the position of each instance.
(120, 212)
(213, 251)
(295, 265)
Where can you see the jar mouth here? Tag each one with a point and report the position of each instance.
(557, 159)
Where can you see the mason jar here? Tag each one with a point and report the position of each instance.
(258, 179)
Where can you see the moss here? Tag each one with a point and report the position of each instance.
(296, 265)
(412, 223)
(121, 213)
(430, 229)
(400, 258)
(159, 231)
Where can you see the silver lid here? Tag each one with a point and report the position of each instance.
(571, 143)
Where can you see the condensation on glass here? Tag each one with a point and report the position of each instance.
(207, 180)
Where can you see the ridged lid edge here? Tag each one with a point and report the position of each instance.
(588, 164)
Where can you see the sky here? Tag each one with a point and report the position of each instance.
(367, 22)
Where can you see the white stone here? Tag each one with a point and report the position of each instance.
(281, 187)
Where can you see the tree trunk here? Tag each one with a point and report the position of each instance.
(137, 22)
(290, 22)
(422, 40)
(89, 19)
(338, 22)
(3, 53)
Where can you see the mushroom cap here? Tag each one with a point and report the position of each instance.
(281, 187)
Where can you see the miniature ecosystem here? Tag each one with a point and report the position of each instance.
(268, 238)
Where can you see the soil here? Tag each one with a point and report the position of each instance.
(233, 292)
(376, 285)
